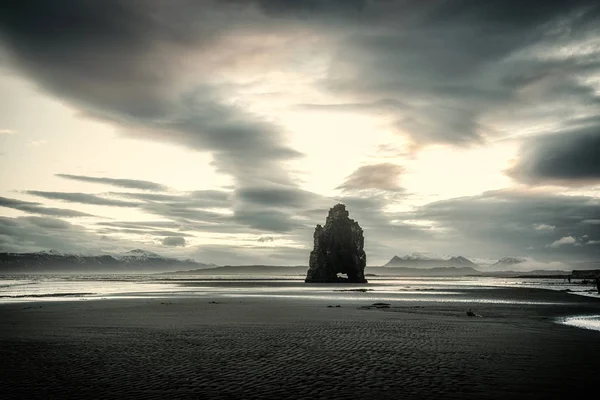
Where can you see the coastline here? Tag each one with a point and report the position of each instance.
(254, 347)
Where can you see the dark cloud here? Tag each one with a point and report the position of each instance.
(138, 231)
(194, 199)
(251, 255)
(48, 223)
(277, 196)
(264, 209)
(141, 75)
(491, 225)
(24, 234)
(183, 212)
(37, 208)
(124, 183)
(266, 220)
(140, 224)
(498, 223)
(82, 198)
(383, 176)
(308, 8)
(174, 241)
(566, 158)
(438, 70)
(274, 208)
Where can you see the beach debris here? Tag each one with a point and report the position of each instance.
(336, 306)
(470, 313)
(213, 302)
(354, 290)
(381, 305)
(375, 305)
(338, 249)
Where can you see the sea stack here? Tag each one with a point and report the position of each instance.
(338, 249)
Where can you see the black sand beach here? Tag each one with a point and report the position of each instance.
(240, 348)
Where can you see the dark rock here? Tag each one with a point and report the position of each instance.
(380, 304)
(470, 313)
(338, 249)
(376, 305)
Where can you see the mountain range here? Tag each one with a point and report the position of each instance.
(417, 260)
(134, 261)
(141, 261)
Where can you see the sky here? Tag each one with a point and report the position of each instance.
(223, 131)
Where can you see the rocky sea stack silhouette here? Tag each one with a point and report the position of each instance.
(339, 249)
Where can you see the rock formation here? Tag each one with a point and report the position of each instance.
(338, 249)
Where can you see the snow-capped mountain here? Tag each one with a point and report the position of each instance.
(423, 260)
(56, 262)
(137, 255)
(508, 261)
(423, 257)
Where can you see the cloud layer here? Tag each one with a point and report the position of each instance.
(223, 78)
(121, 183)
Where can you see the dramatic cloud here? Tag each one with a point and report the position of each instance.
(500, 223)
(137, 228)
(23, 234)
(174, 241)
(450, 72)
(37, 208)
(568, 158)
(276, 196)
(379, 176)
(140, 224)
(82, 198)
(48, 223)
(245, 80)
(123, 183)
(146, 73)
(195, 199)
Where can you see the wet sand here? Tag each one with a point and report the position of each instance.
(256, 348)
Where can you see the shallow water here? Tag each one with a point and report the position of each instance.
(442, 290)
(586, 322)
(59, 287)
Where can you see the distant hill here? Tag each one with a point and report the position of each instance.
(417, 260)
(247, 270)
(134, 261)
(141, 261)
(447, 271)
